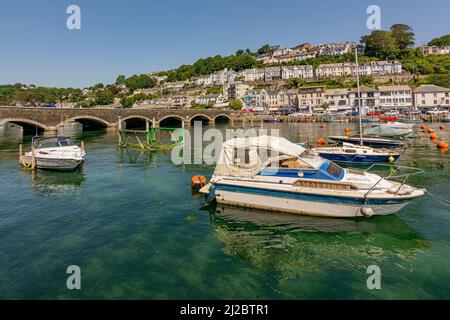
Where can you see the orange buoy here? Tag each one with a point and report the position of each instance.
(198, 182)
(430, 131)
(442, 145)
(434, 136)
(347, 129)
(320, 141)
(323, 126)
(442, 127)
(423, 127)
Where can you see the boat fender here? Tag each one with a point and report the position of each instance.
(198, 182)
(320, 141)
(391, 159)
(367, 211)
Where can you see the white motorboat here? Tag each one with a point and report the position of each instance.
(272, 173)
(57, 153)
(356, 153)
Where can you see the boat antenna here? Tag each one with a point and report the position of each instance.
(359, 96)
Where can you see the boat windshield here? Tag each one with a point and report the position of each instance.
(54, 143)
(335, 170)
(66, 143)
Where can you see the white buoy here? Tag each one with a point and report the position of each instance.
(367, 212)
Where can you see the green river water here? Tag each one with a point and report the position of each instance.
(132, 224)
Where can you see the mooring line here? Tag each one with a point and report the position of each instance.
(438, 199)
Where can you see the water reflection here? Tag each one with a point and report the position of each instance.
(56, 183)
(292, 244)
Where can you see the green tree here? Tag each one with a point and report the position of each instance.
(103, 97)
(240, 52)
(120, 79)
(295, 83)
(235, 104)
(98, 86)
(381, 44)
(441, 41)
(264, 49)
(403, 35)
(140, 82)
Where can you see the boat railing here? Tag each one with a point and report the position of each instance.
(392, 175)
(397, 168)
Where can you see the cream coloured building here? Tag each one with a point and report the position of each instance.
(431, 96)
(393, 97)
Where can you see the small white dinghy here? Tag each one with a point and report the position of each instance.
(56, 153)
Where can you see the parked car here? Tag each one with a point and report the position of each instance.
(47, 105)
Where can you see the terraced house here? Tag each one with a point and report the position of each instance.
(348, 69)
(311, 96)
(305, 72)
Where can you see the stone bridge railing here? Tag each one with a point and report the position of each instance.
(50, 119)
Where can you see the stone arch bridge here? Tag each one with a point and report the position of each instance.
(50, 119)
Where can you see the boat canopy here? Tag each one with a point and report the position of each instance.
(383, 130)
(245, 157)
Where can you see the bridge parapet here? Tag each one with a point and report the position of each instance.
(52, 119)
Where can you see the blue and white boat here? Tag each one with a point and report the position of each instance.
(357, 153)
(274, 174)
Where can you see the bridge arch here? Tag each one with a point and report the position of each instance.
(136, 122)
(27, 123)
(171, 121)
(200, 117)
(85, 120)
(222, 118)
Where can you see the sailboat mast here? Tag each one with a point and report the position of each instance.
(359, 96)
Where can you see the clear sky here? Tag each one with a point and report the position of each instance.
(137, 36)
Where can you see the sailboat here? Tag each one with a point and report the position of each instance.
(377, 141)
(356, 153)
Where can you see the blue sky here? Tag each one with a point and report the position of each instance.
(137, 36)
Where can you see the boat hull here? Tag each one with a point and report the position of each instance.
(301, 206)
(58, 164)
(371, 142)
(359, 158)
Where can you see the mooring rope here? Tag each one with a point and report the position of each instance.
(438, 199)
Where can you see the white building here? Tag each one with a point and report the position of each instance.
(311, 97)
(365, 69)
(209, 99)
(253, 74)
(435, 50)
(272, 73)
(334, 70)
(337, 99)
(223, 76)
(370, 97)
(175, 86)
(235, 90)
(282, 51)
(301, 71)
(335, 49)
(382, 67)
(431, 96)
(393, 97)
